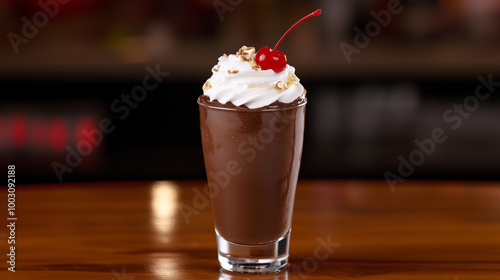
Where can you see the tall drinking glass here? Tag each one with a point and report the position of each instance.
(252, 159)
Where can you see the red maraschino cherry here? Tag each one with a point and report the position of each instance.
(268, 58)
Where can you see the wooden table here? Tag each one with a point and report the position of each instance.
(429, 230)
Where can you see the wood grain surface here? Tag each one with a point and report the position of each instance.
(429, 230)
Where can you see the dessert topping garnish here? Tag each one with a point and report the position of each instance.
(255, 66)
(246, 54)
(282, 86)
(207, 86)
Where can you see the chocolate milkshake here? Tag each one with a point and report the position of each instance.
(252, 127)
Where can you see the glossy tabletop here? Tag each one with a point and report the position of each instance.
(429, 230)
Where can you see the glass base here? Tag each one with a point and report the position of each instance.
(265, 258)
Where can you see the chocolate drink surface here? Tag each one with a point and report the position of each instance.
(252, 159)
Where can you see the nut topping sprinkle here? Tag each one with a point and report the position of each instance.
(280, 86)
(246, 52)
(293, 80)
(207, 86)
(255, 66)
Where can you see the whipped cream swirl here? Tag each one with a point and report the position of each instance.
(239, 80)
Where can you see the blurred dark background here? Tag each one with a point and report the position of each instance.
(67, 66)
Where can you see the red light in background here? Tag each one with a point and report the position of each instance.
(58, 134)
(40, 134)
(85, 124)
(18, 130)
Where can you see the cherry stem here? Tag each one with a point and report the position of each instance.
(313, 14)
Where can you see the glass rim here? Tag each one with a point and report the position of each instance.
(302, 103)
